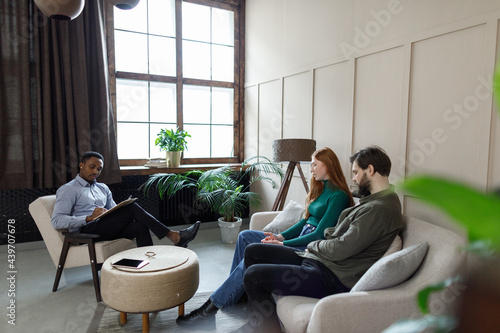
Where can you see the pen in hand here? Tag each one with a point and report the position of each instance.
(99, 210)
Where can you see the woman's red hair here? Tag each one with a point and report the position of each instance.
(335, 177)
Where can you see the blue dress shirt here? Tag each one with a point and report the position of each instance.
(76, 200)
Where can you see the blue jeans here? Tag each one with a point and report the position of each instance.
(230, 292)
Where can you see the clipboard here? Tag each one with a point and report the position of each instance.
(121, 204)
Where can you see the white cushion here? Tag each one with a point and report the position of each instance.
(393, 269)
(286, 218)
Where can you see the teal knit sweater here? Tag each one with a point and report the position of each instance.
(323, 213)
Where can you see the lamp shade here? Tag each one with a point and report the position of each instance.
(64, 10)
(293, 150)
(125, 4)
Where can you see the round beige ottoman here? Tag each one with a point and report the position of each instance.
(170, 279)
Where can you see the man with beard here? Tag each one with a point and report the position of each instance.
(80, 202)
(333, 265)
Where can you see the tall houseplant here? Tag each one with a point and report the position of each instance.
(174, 143)
(222, 190)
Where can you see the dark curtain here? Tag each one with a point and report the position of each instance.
(54, 96)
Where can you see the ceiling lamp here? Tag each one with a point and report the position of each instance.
(125, 4)
(64, 10)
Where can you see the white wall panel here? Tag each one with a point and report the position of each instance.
(332, 114)
(378, 104)
(425, 212)
(266, 37)
(251, 121)
(449, 100)
(284, 35)
(270, 116)
(270, 128)
(494, 179)
(494, 166)
(297, 106)
(416, 81)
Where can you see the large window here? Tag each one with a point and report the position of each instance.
(179, 64)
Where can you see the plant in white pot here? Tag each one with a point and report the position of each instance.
(174, 143)
(223, 190)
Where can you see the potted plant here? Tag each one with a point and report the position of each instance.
(220, 190)
(174, 143)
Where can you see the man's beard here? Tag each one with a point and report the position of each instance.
(364, 186)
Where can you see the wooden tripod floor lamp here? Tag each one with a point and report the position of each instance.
(293, 151)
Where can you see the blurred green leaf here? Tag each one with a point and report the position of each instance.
(423, 295)
(481, 248)
(479, 213)
(441, 324)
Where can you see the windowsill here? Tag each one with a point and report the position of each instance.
(140, 170)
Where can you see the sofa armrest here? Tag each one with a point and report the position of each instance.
(366, 311)
(259, 220)
(372, 311)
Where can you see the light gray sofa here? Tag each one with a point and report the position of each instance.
(375, 310)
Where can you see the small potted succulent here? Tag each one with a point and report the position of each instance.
(174, 143)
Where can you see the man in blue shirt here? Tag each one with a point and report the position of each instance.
(80, 202)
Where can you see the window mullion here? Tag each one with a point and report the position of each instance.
(178, 52)
(211, 88)
(239, 83)
(149, 82)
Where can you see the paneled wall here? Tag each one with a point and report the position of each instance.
(412, 77)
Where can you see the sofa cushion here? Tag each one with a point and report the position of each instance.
(393, 269)
(396, 245)
(295, 312)
(286, 218)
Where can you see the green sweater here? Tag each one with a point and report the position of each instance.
(362, 236)
(323, 213)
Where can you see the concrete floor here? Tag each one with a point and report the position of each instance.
(73, 308)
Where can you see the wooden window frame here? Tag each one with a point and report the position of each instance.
(238, 7)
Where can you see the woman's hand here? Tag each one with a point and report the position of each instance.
(273, 239)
